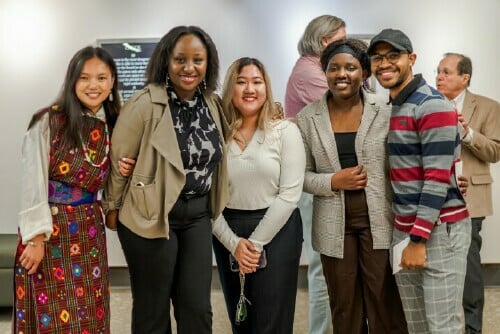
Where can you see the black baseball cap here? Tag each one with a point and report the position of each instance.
(394, 37)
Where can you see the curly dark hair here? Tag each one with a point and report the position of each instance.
(157, 69)
(358, 48)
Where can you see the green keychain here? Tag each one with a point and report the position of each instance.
(241, 308)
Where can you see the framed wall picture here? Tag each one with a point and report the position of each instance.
(131, 57)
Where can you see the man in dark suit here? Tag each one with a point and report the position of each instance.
(480, 118)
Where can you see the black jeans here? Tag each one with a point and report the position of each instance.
(473, 300)
(271, 290)
(177, 269)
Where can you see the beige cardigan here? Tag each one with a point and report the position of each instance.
(145, 131)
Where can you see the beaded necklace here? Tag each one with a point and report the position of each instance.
(86, 149)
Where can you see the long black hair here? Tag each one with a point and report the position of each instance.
(157, 69)
(68, 103)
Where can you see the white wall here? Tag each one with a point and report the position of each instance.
(37, 39)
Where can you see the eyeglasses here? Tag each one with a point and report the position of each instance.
(392, 57)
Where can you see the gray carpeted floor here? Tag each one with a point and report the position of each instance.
(120, 308)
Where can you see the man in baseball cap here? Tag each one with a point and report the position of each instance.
(430, 212)
(394, 37)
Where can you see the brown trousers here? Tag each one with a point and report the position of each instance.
(362, 290)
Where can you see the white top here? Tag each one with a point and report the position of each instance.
(268, 173)
(458, 102)
(34, 216)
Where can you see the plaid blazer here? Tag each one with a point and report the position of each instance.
(322, 162)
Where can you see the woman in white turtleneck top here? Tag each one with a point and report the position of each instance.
(266, 163)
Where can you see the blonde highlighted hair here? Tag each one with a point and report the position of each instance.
(269, 111)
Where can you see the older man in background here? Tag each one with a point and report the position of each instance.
(480, 119)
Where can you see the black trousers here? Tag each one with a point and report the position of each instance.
(473, 300)
(271, 290)
(178, 269)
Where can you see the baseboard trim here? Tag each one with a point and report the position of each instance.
(119, 276)
(491, 274)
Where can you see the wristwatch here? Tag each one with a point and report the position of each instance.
(417, 239)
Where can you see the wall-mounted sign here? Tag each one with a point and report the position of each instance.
(131, 57)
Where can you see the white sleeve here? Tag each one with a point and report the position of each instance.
(34, 215)
(224, 234)
(290, 187)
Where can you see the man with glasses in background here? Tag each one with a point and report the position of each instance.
(480, 119)
(432, 224)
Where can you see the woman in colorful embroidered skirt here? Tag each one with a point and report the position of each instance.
(61, 268)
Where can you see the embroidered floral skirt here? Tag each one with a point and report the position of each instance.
(70, 291)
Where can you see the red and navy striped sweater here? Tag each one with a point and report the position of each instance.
(424, 145)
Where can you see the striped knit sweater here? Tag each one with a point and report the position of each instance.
(424, 145)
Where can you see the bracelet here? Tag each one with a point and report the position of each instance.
(36, 244)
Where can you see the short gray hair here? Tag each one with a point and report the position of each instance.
(323, 26)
